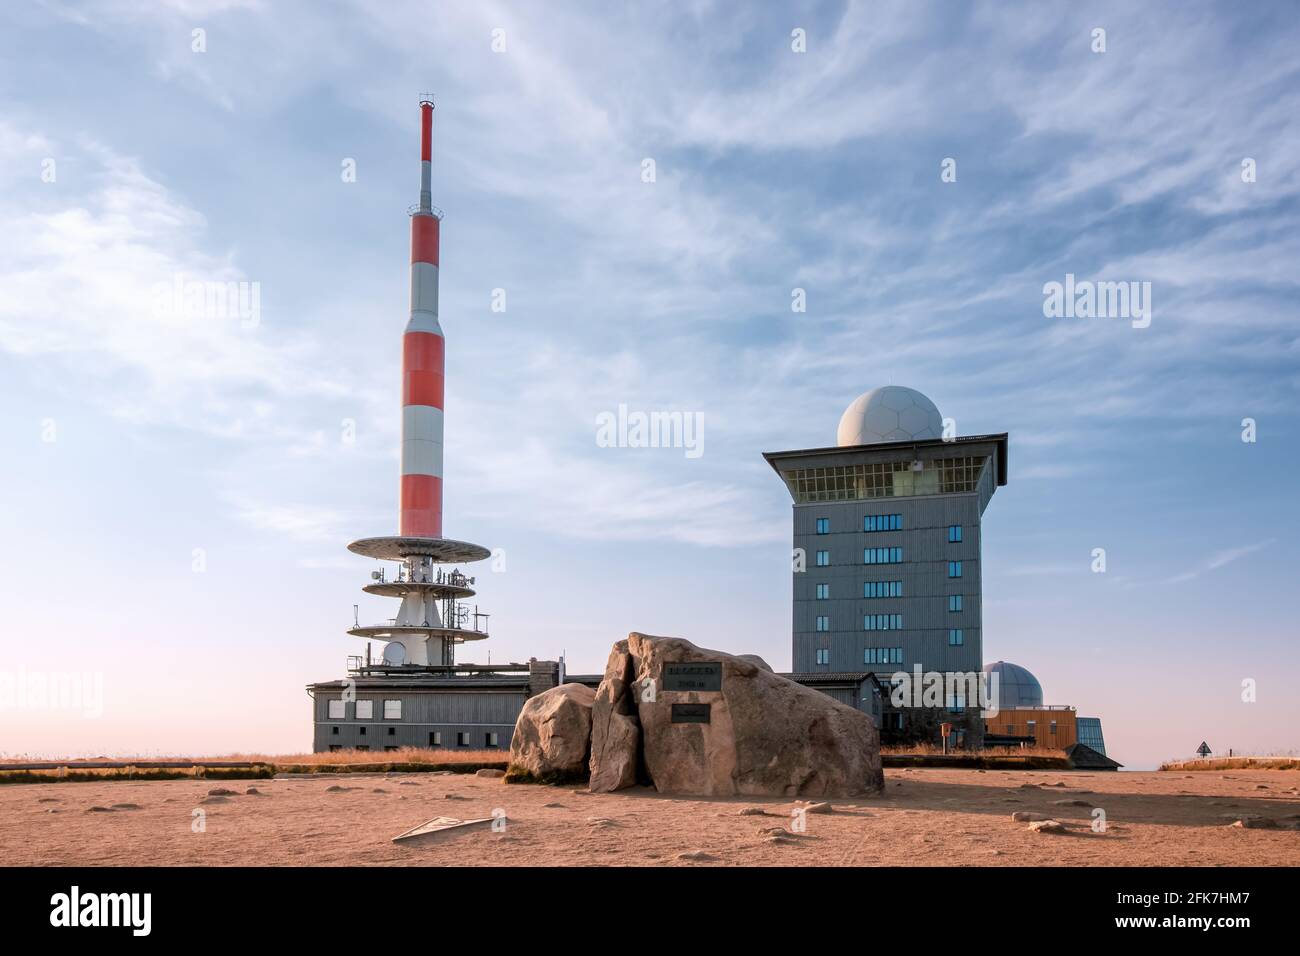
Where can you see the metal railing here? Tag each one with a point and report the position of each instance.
(414, 208)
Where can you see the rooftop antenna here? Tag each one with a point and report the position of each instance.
(426, 152)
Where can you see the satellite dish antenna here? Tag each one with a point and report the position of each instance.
(394, 654)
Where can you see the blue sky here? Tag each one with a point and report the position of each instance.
(775, 170)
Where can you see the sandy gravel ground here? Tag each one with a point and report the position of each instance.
(949, 817)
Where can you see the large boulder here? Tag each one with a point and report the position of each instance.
(758, 734)
(615, 731)
(553, 735)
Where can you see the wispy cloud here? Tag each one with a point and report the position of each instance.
(1218, 560)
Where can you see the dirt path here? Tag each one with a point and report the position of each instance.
(950, 817)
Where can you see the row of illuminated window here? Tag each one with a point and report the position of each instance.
(870, 622)
(872, 655)
(886, 523)
(890, 622)
(883, 556)
(883, 655)
(882, 523)
(365, 710)
(882, 622)
(490, 739)
(884, 589)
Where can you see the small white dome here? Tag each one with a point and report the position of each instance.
(890, 413)
(1016, 686)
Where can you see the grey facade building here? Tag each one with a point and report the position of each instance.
(887, 540)
(468, 706)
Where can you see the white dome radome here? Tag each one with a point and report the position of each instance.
(1016, 686)
(889, 413)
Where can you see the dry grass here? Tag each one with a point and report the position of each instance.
(1234, 763)
(422, 755)
(337, 758)
(406, 760)
(102, 774)
(930, 750)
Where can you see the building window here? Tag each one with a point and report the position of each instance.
(956, 702)
(823, 592)
(882, 589)
(823, 655)
(462, 738)
(955, 637)
(365, 709)
(490, 738)
(882, 556)
(882, 523)
(954, 602)
(1031, 727)
(883, 655)
(335, 731)
(392, 731)
(392, 710)
(823, 525)
(435, 738)
(823, 622)
(361, 731)
(954, 569)
(882, 622)
(338, 710)
(1051, 728)
(954, 533)
(885, 479)
(823, 559)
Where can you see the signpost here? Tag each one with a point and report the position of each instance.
(1203, 749)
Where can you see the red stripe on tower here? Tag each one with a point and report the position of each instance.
(424, 238)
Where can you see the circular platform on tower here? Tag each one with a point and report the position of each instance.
(377, 632)
(403, 588)
(439, 550)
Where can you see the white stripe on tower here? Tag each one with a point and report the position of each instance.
(423, 360)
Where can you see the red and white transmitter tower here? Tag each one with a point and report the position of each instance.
(432, 620)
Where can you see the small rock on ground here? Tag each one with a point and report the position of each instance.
(698, 855)
(815, 807)
(1255, 823)
(1047, 826)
